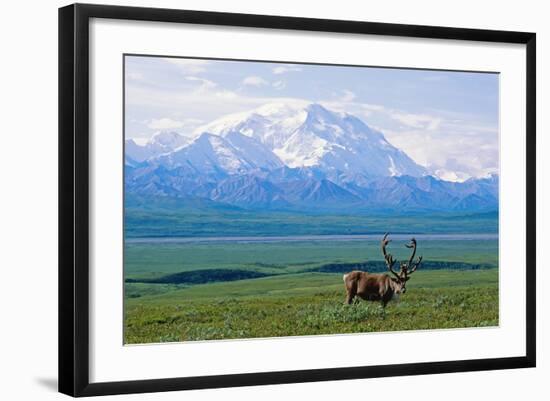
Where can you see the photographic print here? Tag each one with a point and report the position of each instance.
(268, 199)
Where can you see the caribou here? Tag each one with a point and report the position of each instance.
(381, 287)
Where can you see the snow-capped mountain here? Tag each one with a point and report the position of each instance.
(309, 135)
(161, 142)
(297, 155)
(212, 154)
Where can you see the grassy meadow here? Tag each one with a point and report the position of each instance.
(219, 290)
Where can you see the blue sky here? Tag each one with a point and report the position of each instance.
(446, 121)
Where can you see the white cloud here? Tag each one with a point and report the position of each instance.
(417, 120)
(189, 66)
(373, 107)
(204, 84)
(284, 69)
(254, 80)
(348, 96)
(164, 123)
(279, 85)
(168, 123)
(451, 152)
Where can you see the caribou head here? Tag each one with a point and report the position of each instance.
(406, 268)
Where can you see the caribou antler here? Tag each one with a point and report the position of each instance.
(390, 261)
(412, 245)
(411, 266)
(415, 265)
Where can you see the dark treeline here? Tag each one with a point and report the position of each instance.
(380, 266)
(204, 276)
(200, 277)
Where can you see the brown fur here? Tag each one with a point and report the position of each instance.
(371, 287)
(381, 287)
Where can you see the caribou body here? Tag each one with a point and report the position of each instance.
(381, 287)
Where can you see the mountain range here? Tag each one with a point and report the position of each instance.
(295, 157)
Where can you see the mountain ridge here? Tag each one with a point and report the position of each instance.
(296, 156)
(296, 136)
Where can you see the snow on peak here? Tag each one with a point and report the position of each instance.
(139, 141)
(392, 169)
(452, 176)
(296, 134)
(139, 149)
(169, 139)
(281, 109)
(271, 124)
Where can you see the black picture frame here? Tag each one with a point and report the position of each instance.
(74, 198)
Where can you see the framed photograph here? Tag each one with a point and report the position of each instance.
(250, 199)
